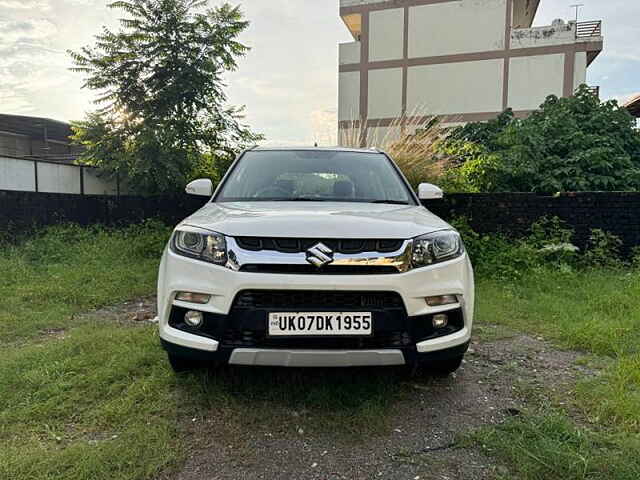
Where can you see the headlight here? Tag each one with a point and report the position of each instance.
(436, 247)
(200, 244)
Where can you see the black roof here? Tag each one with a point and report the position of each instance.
(34, 127)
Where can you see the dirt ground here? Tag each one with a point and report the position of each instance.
(500, 377)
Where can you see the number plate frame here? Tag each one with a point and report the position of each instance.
(319, 324)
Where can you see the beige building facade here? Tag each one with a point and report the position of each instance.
(463, 60)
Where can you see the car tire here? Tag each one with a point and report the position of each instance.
(182, 364)
(444, 367)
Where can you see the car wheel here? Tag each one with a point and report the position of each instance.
(182, 364)
(444, 367)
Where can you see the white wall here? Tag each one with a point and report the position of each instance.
(58, 178)
(580, 70)
(349, 96)
(17, 175)
(543, 36)
(532, 79)
(385, 93)
(349, 53)
(386, 34)
(382, 137)
(450, 28)
(467, 87)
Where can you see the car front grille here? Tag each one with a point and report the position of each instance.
(299, 245)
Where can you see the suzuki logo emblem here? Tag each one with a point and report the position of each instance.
(320, 255)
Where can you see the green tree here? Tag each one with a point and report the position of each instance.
(570, 144)
(163, 113)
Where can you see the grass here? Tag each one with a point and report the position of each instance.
(98, 401)
(594, 311)
(551, 447)
(68, 270)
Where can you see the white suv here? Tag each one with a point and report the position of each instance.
(315, 258)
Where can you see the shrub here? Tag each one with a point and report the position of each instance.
(570, 144)
(548, 244)
(553, 241)
(603, 250)
(635, 257)
(495, 254)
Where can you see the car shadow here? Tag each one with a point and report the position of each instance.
(350, 400)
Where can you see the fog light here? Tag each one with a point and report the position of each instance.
(193, 318)
(441, 300)
(440, 320)
(191, 297)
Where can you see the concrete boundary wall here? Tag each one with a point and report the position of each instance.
(507, 213)
(513, 213)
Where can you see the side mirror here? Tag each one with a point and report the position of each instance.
(202, 186)
(427, 191)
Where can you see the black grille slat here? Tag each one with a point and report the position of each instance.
(327, 270)
(299, 245)
(310, 299)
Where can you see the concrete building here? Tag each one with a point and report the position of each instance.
(464, 60)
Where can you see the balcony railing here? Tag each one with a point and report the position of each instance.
(589, 29)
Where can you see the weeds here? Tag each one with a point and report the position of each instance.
(412, 140)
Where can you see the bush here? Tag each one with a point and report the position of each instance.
(548, 244)
(603, 250)
(570, 144)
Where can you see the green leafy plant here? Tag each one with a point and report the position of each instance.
(569, 144)
(603, 250)
(547, 244)
(553, 241)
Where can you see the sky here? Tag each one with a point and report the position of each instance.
(288, 81)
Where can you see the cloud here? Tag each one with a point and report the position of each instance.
(26, 30)
(25, 4)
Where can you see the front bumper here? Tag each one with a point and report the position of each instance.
(314, 358)
(183, 274)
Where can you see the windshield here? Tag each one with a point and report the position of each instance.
(331, 176)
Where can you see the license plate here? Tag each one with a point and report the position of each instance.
(320, 324)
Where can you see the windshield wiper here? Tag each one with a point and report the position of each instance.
(307, 199)
(392, 202)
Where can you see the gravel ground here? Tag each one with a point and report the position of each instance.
(499, 378)
(421, 440)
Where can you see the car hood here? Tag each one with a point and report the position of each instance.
(316, 220)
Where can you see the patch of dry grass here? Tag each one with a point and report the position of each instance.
(412, 140)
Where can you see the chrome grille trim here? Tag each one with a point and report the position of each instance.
(399, 259)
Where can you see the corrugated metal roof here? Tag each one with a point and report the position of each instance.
(34, 127)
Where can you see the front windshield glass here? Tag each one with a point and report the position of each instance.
(315, 175)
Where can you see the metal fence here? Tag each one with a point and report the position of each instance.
(31, 175)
